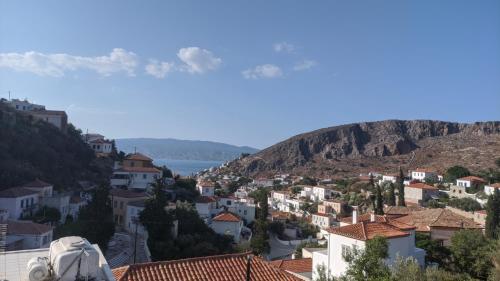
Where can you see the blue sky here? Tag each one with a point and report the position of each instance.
(251, 72)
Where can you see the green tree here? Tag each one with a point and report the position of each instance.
(323, 274)
(456, 172)
(259, 242)
(409, 270)
(379, 201)
(435, 251)
(277, 228)
(492, 226)
(401, 188)
(95, 221)
(47, 215)
(466, 204)
(471, 253)
(391, 196)
(369, 263)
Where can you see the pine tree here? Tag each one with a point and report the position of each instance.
(492, 226)
(391, 198)
(401, 188)
(379, 206)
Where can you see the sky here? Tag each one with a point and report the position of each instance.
(251, 72)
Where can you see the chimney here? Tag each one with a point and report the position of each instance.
(372, 216)
(354, 215)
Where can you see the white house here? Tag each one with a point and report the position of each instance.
(316, 193)
(418, 193)
(206, 188)
(75, 204)
(490, 188)
(24, 105)
(245, 210)
(24, 235)
(227, 223)
(263, 182)
(206, 206)
(422, 173)
(58, 201)
(44, 189)
(19, 201)
(389, 178)
(323, 221)
(101, 146)
(134, 208)
(344, 239)
(470, 181)
(135, 172)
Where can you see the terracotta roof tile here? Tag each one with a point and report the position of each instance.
(495, 185)
(37, 183)
(139, 169)
(422, 185)
(15, 192)
(364, 218)
(127, 193)
(230, 267)
(206, 199)
(26, 227)
(472, 178)
(401, 210)
(368, 230)
(227, 216)
(296, 265)
(138, 156)
(424, 220)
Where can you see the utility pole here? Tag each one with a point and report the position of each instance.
(135, 238)
(249, 266)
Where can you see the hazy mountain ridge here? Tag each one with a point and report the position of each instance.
(383, 145)
(183, 149)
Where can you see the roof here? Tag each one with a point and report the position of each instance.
(75, 200)
(421, 185)
(206, 183)
(369, 230)
(138, 156)
(206, 199)
(138, 203)
(495, 185)
(126, 193)
(296, 265)
(227, 217)
(99, 141)
(15, 192)
(401, 210)
(213, 268)
(424, 170)
(48, 112)
(139, 169)
(472, 178)
(321, 215)
(37, 183)
(364, 218)
(26, 227)
(424, 220)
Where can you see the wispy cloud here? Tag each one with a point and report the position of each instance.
(56, 65)
(304, 65)
(263, 71)
(284, 47)
(197, 60)
(159, 69)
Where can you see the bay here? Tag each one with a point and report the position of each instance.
(186, 167)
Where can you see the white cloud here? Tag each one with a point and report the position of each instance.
(263, 71)
(304, 65)
(284, 47)
(56, 65)
(198, 60)
(159, 69)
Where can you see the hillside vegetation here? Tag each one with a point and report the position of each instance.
(32, 149)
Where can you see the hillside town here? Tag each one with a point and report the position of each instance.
(297, 227)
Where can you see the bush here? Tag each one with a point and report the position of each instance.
(466, 204)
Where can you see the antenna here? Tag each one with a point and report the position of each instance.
(9, 95)
(135, 149)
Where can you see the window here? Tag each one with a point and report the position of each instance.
(22, 203)
(121, 205)
(144, 176)
(244, 212)
(346, 250)
(32, 201)
(115, 204)
(228, 202)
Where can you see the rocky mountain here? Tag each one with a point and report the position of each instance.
(379, 146)
(183, 149)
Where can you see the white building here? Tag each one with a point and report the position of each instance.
(263, 182)
(316, 193)
(323, 221)
(19, 202)
(24, 235)
(76, 203)
(44, 189)
(206, 188)
(24, 105)
(58, 201)
(470, 181)
(490, 188)
(344, 239)
(135, 172)
(389, 178)
(206, 206)
(227, 223)
(134, 208)
(421, 174)
(245, 210)
(101, 146)
(418, 193)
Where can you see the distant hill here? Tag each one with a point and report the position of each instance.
(31, 149)
(379, 146)
(183, 149)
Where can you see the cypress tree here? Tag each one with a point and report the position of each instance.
(379, 207)
(391, 198)
(401, 188)
(492, 226)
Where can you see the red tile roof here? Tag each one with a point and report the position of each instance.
(15, 192)
(424, 220)
(227, 216)
(321, 215)
(495, 185)
(27, 228)
(139, 169)
(117, 192)
(472, 178)
(138, 156)
(421, 185)
(425, 170)
(206, 199)
(366, 217)
(401, 210)
(296, 265)
(368, 230)
(37, 183)
(230, 267)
